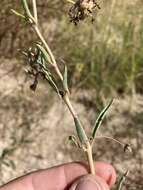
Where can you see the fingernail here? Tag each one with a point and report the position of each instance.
(87, 185)
(89, 182)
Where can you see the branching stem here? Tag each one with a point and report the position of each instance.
(57, 70)
(88, 145)
(66, 97)
(37, 30)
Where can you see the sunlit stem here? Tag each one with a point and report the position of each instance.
(70, 1)
(49, 51)
(90, 158)
(39, 34)
(88, 145)
(57, 70)
(35, 11)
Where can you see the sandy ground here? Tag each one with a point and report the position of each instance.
(34, 128)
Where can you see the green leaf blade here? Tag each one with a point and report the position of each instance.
(51, 81)
(80, 131)
(18, 14)
(44, 53)
(122, 180)
(26, 8)
(100, 119)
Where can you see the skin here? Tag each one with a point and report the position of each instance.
(64, 177)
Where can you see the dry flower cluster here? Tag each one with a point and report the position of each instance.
(82, 9)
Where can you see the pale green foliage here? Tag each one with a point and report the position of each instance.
(100, 119)
(44, 53)
(80, 132)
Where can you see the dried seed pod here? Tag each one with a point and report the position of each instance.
(128, 148)
(35, 83)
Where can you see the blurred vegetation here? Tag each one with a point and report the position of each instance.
(106, 56)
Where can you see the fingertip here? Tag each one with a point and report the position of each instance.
(89, 182)
(107, 172)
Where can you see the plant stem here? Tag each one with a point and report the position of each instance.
(88, 145)
(90, 158)
(66, 96)
(48, 50)
(69, 105)
(39, 34)
(35, 10)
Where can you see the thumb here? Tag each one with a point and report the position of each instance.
(89, 182)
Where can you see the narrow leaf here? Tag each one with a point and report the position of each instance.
(51, 81)
(74, 141)
(65, 80)
(100, 119)
(80, 131)
(18, 14)
(122, 180)
(44, 53)
(26, 8)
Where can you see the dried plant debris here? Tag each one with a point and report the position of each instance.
(35, 68)
(38, 67)
(127, 148)
(82, 9)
